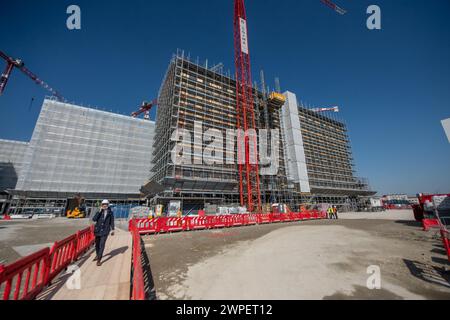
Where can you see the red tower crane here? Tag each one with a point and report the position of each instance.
(17, 63)
(333, 6)
(249, 186)
(145, 108)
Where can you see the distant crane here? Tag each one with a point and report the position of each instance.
(333, 6)
(333, 109)
(19, 64)
(145, 108)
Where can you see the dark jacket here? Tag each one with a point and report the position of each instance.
(103, 225)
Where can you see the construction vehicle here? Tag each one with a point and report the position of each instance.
(12, 63)
(370, 205)
(75, 208)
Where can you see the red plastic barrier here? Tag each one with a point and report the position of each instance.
(264, 218)
(197, 223)
(430, 223)
(147, 225)
(61, 255)
(446, 242)
(138, 290)
(43, 266)
(238, 220)
(34, 266)
(306, 215)
(85, 238)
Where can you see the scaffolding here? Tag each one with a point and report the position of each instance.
(193, 93)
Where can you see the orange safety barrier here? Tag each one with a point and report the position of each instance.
(12, 278)
(138, 289)
(42, 267)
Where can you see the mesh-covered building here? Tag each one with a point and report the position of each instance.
(78, 150)
(11, 162)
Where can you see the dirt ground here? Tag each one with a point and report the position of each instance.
(326, 259)
(19, 238)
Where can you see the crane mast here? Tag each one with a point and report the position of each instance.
(249, 186)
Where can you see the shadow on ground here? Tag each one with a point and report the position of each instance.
(114, 253)
(409, 223)
(428, 273)
(150, 290)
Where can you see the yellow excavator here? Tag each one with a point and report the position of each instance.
(75, 208)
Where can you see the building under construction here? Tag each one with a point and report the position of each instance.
(82, 151)
(315, 163)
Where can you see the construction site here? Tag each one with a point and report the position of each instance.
(253, 156)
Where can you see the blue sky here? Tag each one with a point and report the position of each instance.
(392, 85)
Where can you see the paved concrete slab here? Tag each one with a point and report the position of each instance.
(110, 281)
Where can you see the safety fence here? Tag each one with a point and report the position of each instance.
(446, 241)
(137, 278)
(27, 277)
(428, 224)
(172, 224)
(140, 226)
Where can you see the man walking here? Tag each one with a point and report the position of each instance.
(104, 223)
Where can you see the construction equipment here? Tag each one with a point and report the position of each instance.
(249, 184)
(277, 99)
(332, 109)
(19, 64)
(75, 208)
(145, 108)
(333, 6)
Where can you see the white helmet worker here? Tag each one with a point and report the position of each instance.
(105, 202)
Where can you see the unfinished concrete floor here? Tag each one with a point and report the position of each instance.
(19, 238)
(325, 259)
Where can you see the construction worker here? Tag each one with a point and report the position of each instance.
(330, 212)
(335, 212)
(104, 224)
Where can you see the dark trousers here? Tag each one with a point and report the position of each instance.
(100, 245)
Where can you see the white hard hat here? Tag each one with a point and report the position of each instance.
(105, 202)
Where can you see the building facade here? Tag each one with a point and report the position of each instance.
(77, 150)
(11, 161)
(315, 162)
(197, 99)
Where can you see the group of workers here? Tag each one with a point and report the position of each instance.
(332, 212)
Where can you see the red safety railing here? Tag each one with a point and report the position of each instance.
(62, 254)
(27, 277)
(430, 223)
(446, 241)
(138, 288)
(85, 238)
(169, 224)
